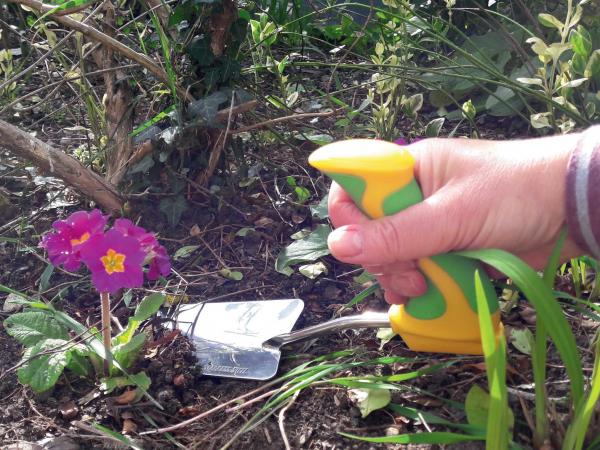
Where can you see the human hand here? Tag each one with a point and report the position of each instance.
(477, 194)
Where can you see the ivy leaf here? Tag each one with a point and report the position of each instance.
(42, 372)
(434, 127)
(312, 271)
(311, 248)
(173, 208)
(369, 400)
(31, 327)
(477, 406)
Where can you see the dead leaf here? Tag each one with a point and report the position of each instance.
(179, 380)
(129, 427)
(126, 397)
(189, 411)
(263, 222)
(195, 230)
(528, 314)
(68, 410)
(219, 26)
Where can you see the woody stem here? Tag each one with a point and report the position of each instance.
(105, 309)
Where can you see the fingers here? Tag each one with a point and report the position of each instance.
(342, 209)
(427, 228)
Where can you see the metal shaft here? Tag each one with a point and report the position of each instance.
(365, 320)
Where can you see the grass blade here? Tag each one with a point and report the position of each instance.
(436, 437)
(494, 350)
(548, 310)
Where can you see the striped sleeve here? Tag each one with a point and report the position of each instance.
(583, 193)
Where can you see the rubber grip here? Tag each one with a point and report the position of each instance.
(379, 176)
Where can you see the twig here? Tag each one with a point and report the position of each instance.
(98, 36)
(217, 408)
(251, 402)
(282, 119)
(281, 418)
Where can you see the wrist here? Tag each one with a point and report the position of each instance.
(582, 192)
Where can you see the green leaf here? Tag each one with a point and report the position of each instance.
(31, 327)
(436, 437)
(385, 335)
(184, 252)
(127, 353)
(547, 309)
(593, 65)
(549, 21)
(118, 436)
(45, 277)
(521, 339)
(581, 41)
(231, 274)
(78, 362)
(534, 81)
(148, 306)
(320, 210)
(173, 208)
(573, 83)
(434, 127)
(312, 271)
(477, 406)
(369, 400)
(41, 372)
(311, 248)
(140, 380)
(146, 309)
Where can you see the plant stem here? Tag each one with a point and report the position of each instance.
(105, 310)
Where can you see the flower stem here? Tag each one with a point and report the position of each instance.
(105, 309)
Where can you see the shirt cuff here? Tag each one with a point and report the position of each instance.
(583, 192)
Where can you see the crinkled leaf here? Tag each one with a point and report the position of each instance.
(310, 248)
(312, 271)
(139, 379)
(41, 372)
(369, 400)
(31, 327)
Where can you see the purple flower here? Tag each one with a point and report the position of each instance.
(156, 254)
(65, 244)
(115, 261)
(402, 141)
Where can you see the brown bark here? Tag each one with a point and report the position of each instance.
(60, 165)
(118, 106)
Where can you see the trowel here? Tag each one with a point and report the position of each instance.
(244, 339)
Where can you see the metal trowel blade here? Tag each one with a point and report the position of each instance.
(229, 336)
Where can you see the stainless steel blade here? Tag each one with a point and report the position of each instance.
(229, 336)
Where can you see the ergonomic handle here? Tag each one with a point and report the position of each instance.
(379, 177)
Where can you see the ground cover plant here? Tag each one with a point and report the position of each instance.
(194, 119)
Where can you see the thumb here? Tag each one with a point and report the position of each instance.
(427, 228)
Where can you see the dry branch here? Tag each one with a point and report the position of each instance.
(98, 36)
(61, 165)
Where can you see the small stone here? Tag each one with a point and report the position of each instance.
(392, 431)
(10, 304)
(166, 394)
(68, 410)
(59, 443)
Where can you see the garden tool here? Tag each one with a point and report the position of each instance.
(243, 339)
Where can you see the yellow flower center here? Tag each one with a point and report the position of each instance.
(113, 261)
(84, 237)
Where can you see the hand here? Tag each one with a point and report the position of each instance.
(477, 194)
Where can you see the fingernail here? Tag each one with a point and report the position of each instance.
(345, 242)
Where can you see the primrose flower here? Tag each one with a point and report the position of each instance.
(115, 261)
(156, 254)
(65, 244)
